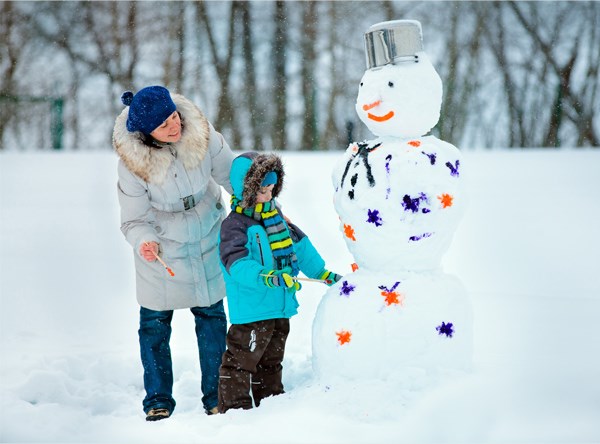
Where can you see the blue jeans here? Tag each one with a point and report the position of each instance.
(155, 333)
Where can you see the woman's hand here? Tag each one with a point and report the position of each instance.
(149, 250)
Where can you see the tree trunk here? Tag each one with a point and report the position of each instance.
(331, 134)
(279, 91)
(174, 59)
(250, 80)
(10, 61)
(226, 116)
(310, 135)
(580, 108)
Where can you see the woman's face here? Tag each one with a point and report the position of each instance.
(170, 130)
(265, 194)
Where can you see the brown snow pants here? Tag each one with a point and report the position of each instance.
(252, 363)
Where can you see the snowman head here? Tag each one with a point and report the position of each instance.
(400, 95)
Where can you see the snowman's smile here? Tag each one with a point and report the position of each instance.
(383, 118)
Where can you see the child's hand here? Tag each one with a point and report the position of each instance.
(330, 277)
(280, 278)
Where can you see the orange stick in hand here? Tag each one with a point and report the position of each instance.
(162, 262)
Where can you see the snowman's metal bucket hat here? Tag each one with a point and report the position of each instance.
(393, 42)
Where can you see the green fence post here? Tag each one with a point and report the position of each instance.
(57, 123)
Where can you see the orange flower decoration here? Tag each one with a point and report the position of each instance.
(391, 297)
(349, 232)
(446, 200)
(354, 266)
(343, 336)
(414, 143)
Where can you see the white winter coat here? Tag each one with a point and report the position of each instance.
(152, 188)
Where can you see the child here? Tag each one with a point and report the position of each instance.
(261, 253)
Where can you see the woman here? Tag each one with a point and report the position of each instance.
(172, 162)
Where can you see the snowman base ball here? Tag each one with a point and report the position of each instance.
(374, 325)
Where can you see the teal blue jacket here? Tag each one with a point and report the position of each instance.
(246, 254)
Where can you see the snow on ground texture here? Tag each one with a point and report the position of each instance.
(527, 249)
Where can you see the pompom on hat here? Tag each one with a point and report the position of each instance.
(148, 109)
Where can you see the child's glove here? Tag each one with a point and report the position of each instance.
(280, 278)
(329, 277)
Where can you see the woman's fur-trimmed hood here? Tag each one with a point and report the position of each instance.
(248, 171)
(152, 164)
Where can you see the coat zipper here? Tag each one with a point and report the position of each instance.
(262, 260)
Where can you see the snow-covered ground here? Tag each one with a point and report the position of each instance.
(528, 250)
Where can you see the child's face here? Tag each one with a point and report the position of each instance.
(265, 194)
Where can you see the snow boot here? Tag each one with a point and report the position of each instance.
(157, 414)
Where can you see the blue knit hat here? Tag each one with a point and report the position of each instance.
(148, 109)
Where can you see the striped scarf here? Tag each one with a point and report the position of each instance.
(277, 232)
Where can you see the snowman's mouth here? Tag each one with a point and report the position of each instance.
(383, 118)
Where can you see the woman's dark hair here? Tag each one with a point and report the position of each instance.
(150, 141)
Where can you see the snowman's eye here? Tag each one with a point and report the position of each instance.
(361, 83)
(391, 84)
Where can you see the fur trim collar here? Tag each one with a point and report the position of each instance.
(152, 164)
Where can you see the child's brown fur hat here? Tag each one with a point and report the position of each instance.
(260, 166)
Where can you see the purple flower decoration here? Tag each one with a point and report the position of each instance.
(431, 157)
(374, 218)
(418, 238)
(346, 289)
(389, 290)
(445, 329)
(453, 168)
(411, 204)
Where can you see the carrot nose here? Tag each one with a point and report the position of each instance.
(371, 105)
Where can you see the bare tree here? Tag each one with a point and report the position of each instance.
(226, 117)
(98, 39)
(310, 135)
(497, 41)
(459, 72)
(101, 36)
(514, 73)
(250, 86)
(279, 90)
(570, 99)
(390, 13)
(330, 131)
(30, 113)
(9, 60)
(174, 59)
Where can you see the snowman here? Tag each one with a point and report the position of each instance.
(399, 198)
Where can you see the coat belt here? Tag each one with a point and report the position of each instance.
(184, 203)
(187, 202)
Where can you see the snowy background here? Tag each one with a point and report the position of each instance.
(528, 250)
